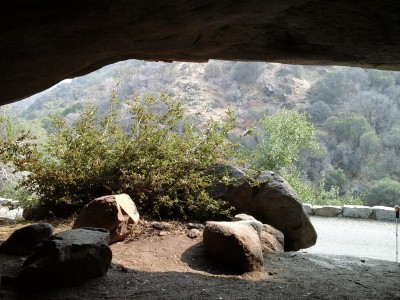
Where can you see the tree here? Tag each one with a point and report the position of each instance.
(247, 72)
(379, 110)
(331, 89)
(319, 111)
(282, 137)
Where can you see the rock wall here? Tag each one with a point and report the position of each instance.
(380, 213)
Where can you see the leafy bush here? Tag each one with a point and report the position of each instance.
(335, 178)
(383, 192)
(308, 193)
(282, 137)
(161, 160)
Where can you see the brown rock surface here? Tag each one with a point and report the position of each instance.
(235, 244)
(116, 213)
(44, 44)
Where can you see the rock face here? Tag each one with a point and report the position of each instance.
(23, 241)
(235, 244)
(272, 240)
(44, 44)
(69, 258)
(272, 201)
(115, 213)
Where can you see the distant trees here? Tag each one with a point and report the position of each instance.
(377, 109)
(383, 192)
(247, 72)
(212, 70)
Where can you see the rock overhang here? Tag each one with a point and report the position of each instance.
(44, 43)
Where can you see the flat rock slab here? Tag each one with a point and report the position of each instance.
(69, 258)
(327, 211)
(383, 213)
(357, 211)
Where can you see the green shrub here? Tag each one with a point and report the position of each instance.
(282, 137)
(383, 192)
(161, 160)
(308, 193)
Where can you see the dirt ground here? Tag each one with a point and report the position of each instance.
(174, 266)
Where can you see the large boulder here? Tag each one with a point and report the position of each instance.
(67, 259)
(23, 241)
(235, 244)
(271, 200)
(115, 213)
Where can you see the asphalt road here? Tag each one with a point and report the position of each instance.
(355, 237)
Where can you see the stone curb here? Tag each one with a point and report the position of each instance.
(381, 213)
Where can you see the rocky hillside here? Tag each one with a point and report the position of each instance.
(355, 111)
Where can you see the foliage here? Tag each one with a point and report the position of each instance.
(303, 188)
(281, 139)
(212, 70)
(383, 192)
(10, 189)
(162, 161)
(246, 72)
(319, 111)
(331, 89)
(335, 178)
(319, 195)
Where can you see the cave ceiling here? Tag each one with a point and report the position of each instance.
(44, 42)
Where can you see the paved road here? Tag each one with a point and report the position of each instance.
(355, 237)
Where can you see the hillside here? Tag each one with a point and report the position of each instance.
(355, 111)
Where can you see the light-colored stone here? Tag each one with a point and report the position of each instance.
(237, 245)
(327, 211)
(357, 211)
(308, 208)
(272, 240)
(384, 213)
(193, 233)
(243, 217)
(128, 206)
